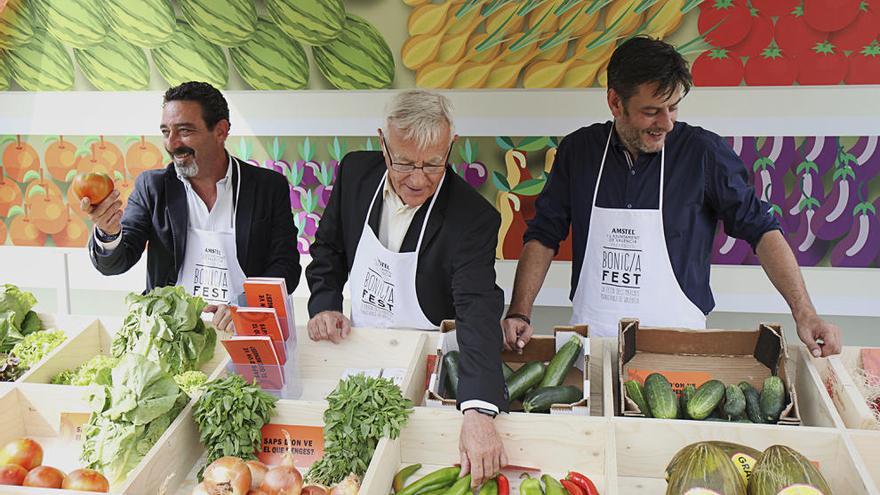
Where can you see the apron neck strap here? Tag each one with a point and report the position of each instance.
(602, 167)
(236, 191)
(427, 214)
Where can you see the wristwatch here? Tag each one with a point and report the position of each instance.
(106, 237)
(518, 316)
(483, 410)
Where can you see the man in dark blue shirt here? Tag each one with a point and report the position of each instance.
(643, 196)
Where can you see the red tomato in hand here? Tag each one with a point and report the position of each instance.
(759, 36)
(830, 15)
(824, 65)
(718, 67)
(861, 32)
(794, 36)
(775, 8)
(731, 21)
(771, 68)
(96, 187)
(864, 66)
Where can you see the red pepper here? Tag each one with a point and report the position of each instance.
(584, 482)
(503, 485)
(572, 487)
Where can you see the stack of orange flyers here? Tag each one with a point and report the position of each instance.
(265, 292)
(260, 322)
(255, 359)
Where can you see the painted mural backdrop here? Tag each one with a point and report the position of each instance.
(825, 190)
(114, 45)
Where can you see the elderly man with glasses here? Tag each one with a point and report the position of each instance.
(416, 245)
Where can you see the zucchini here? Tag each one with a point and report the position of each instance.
(524, 379)
(734, 402)
(705, 400)
(561, 363)
(772, 399)
(753, 403)
(635, 392)
(540, 399)
(450, 363)
(685, 397)
(661, 399)
(506, 370)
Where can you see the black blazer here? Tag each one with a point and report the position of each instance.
(156, 217)
(455, 277)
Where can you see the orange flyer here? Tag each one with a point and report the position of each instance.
(252, 350)
(269, 293)
(260, 322)
(306, 443)
(678, 379)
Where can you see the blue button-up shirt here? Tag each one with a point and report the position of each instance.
(705, 181)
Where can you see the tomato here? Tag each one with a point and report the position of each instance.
(775, 8)
(824, 65)
(94, 186)
(25, 452)
(718, 67)
(44, 477)
(724, 23)
(794, 36)
(861, 32)
(830, 15)
(864, 66)
(771, 68)
(12, 474)
(759, 36)
(86, 480)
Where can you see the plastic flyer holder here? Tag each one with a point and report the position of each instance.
(282, 381)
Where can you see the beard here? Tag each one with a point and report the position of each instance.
(632, 138)
(186, 167)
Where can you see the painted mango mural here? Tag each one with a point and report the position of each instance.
(825, 190)
(130, 45)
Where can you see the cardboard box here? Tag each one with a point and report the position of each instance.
(696, 356)
(539, 348)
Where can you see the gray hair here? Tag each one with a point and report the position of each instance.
(419, 114)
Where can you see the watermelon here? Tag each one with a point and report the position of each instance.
(358, 59)
(41, 65)
(271, 60)
(314, 22)
(782, 467)
(703, 466)
(143, 23)
(227, 23)
(75, 23)
(16, 24)
(115, 65)
(189, 57)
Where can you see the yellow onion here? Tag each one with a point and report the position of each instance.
(349, 486)
(229, 474)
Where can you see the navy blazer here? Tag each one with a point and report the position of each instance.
(156, 217)
(455, 276)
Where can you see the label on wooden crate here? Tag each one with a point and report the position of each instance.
(678, 379)
(306, 444)
(72, 425)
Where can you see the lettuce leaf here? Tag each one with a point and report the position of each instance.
(16, 318)
(34, 347)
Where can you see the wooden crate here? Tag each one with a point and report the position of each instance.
(287, 412)
(321, 364)
(70, 325)
(34, 411)
(553, 444)
(97, 339)
(836, 374)
(645, 447)
(867, 444)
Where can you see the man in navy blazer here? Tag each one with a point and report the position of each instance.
(207, 220)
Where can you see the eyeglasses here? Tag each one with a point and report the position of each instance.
(427, 168)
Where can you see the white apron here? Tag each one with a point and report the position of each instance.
(626, 271)
(383, 283)
(210, 264)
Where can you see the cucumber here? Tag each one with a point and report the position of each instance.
(507, 370)
(540, 399)
(635, 392)
(772, 399)
(753, 402)
(561, 363)
(524, 379)
(705, 400)
(661, 399)
(734, 402)
(685, 397)
(450, 363)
